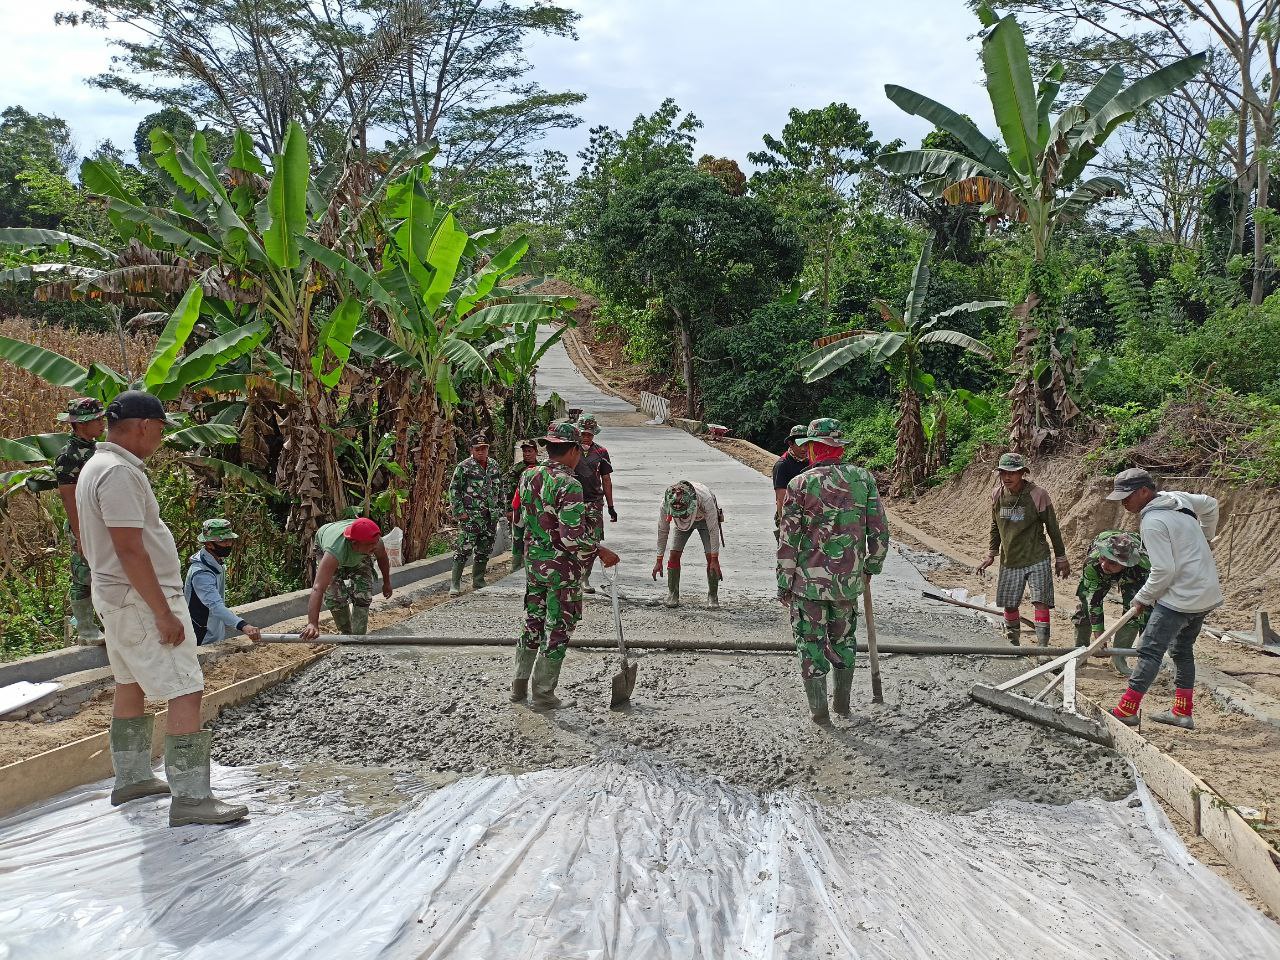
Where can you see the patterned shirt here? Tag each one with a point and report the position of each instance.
(554, 515)
(833, 531)
(1096, 583)
(475, 494)
(69, 463)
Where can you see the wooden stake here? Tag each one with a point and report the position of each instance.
(873, 655)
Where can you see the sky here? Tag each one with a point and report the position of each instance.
(739, 65)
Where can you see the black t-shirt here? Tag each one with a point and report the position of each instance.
(592, 465)
(787, 469)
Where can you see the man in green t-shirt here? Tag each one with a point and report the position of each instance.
(344, 575)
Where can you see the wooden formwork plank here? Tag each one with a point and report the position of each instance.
(1250, 854)
(84, 761)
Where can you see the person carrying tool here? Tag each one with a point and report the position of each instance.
(1021, 515)
(528, 460)
(595, 473)
(559, 545)
(1114, 559)
(834, 535)
(205, 587)
(786, 468)
(87, 418)
(1181, 588)
(345, 551)
(151, 644)
(690, 506)
(477, 504)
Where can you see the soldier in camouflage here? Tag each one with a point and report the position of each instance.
(87, 418)
(528, 460)
(475, 497)
(558, 546)
(1115, 559)
(345, 554)
(833, 534)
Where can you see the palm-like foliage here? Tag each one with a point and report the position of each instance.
(1038, 179)
(900, 348)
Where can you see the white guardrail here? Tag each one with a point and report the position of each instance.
(659, 408)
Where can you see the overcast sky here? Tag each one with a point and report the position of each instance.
(739, 65)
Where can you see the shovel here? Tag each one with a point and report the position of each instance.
(624, 681)
(877, 694)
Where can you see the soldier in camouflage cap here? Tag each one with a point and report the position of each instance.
(1115, 559)
(87, 418)
(833, 534)
(558, 544)
(475, 497)
(689, 506)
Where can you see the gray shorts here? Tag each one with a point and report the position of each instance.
(1014, 581)
(682, 536)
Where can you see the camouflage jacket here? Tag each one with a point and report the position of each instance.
(1096, 583)
(558, 539)
(475, 494)
(69, 463)
(833, 530)
(513, 478)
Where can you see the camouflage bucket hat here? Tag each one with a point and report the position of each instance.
(83, 410)
(218, 529)
(588, 424)
(1122, 549)
(825, 430)
(528, 444)
(1011, 463)
(680, 500)
(798, 432)
(562, 431)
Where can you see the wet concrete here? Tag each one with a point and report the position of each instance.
(443, 713)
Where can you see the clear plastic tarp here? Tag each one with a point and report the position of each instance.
(609, 861)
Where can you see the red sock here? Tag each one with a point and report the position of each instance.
(1128, 704)
(1182, 702)
(1042, 616)
(1011, 617)
(673, 564)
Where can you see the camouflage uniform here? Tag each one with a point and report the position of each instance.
(593, 467)
(1096, 583)
(833, 530)
(350, 592)
(66, 470)
(475, 498)
(517, 524)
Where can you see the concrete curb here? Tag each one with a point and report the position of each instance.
(1238, 696)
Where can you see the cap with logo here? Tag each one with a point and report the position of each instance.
(217, 529)
(1127, 481)
(528, 444)
(138, 405)
(562, 431)
(1012, 463)
(83, 410)
(362, 530)
(479, 440)
(825, 430)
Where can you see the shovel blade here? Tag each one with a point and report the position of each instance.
(624, 682)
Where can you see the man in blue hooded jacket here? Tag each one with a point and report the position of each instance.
(206, 586)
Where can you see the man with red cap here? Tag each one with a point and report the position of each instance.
(344, 575)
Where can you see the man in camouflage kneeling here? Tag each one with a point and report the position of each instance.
(1115, 559)
(833, 535)
(558, 546)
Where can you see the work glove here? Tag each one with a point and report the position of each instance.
(613, 514)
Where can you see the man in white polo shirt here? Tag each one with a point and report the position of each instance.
(137, 590)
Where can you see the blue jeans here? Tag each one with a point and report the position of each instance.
(1168, 630)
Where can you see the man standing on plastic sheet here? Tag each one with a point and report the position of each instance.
(528, 460)
(345, 551)
(205, 588)
(477, 503)
(559, 545)
(137, 588)
(834, 535)
(595, 473)
(787, 467)
(1115, 559)
(690, 506)
(1180, 590)
(86, 416)
(1021, 515)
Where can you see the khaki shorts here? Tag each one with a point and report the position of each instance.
(134, 648)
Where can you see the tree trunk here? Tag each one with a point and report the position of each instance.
(908, 464)
(686, 362)
(309, 468)
(1259, 291)
(432, 457)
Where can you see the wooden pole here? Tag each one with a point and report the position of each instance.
(873, 655)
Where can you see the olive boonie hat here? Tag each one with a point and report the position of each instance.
(138, 405)
(680, 500)
(562, 431)
(588, 424)
(218, 529)
(825, 430)
(479, 440)
(528, 444)
(1011, 463)
(1127, 481)
(1122, 549)
(83, 410)
(798, 432)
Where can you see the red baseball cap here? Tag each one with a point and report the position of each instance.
(363, 530)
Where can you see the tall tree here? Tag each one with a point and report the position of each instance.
(31, 144)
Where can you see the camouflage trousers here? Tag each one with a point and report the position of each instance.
(552, 608)
(352, 586)
(593, 520)
(474, 539)
(81, 576)
(825, 632)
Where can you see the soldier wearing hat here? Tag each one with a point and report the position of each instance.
(345, 551)
(558, 545)
(793, 462)
(205, 587)
(528, 460)
(1021, 515)
(1115, 559)
(833, 536)
(477, 504)
(87, 418)
(689, 506)
(595, 473)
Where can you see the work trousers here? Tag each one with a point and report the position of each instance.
(81, 577)
(350, 586)
(475, 538)
(552, 608)
(825, 632)
(1168, 630)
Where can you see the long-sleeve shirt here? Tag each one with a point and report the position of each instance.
(1184, 575)
(206, 590)
(559, 540)
(1019, 522)
(1096, 583)
(708, 510)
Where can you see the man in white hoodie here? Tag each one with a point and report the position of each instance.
(1180, 590)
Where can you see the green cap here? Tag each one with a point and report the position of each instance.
(680, 500)
(1011, 463)
(217, 529)
(1123, 549)
(83, 410)
(825, 430)
(798, 432)
(562, 431)
(587, 423)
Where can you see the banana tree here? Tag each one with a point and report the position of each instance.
(900, 348)
(1039, 180)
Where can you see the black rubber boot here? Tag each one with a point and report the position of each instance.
(713, 591)
(673, 588)
(478, 571)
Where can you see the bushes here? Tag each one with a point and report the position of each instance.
(1238, 348)
(868, 423)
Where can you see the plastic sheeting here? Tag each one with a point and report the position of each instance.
(610, 861)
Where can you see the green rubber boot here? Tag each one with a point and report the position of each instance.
(1042, 634)
(673, 588)
(713, 591)
(843, 687)
(1013, 632)
(1124, 637)
(455, 585)
(1084, 631)
(131, 758)
(520, 678)
(478, 571)
(88, 633)
(359, 620)
(186, 763)
(517, 551)
(546, 674)
(341, 614)
(815, 690)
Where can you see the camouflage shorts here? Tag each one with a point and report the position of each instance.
(474, 538)
(350, 586)
(81, 576)
(551, 610)
(825, 633)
